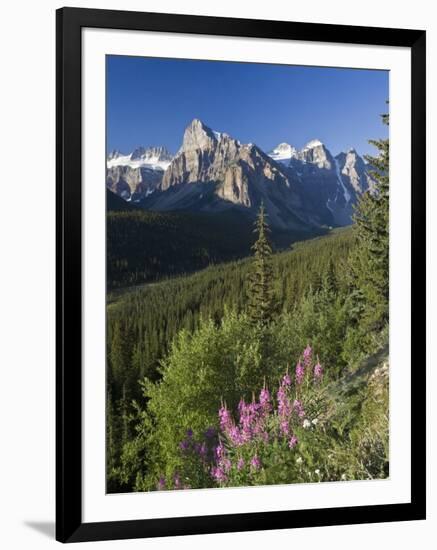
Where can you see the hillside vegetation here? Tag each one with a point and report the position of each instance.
(146, 246)
(146, 318)
(267, 370)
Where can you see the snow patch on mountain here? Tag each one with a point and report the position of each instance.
(313, 143)
(154, 158)
(153, 164)
(283, 152)
(347, 196)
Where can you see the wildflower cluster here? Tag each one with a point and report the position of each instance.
(264, 424)
(263, 430)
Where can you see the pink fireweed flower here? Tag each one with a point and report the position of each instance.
(318, 371)
(218, 474)
(235, 436)
(220, 451)
(240, 464)
(284, 427)
(284, 407)
(248, 420)
(298, 408)
(226, 464)
(225, 418)
(307, 355)
(286, 380)
(161, 483)
(255, 463)
(293, 441)
(300, 373)
(246, 435)
(264, 400)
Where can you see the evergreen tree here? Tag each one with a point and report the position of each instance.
(369, 263)
(119, 359)
(330, 280)
(260, 288)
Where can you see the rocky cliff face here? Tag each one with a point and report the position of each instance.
(136, 175)
(355, 172)
(132, 184)
(212, 172)
(152, 155)
(331, 184)
(202, 157)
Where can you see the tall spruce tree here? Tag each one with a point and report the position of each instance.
(260, 289)
(369, 263)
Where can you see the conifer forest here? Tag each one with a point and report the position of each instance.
(241, 352)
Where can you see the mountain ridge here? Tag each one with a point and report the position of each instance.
(213, 172)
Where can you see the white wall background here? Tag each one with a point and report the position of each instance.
(27, 272)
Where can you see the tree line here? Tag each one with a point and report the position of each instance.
(227, 329)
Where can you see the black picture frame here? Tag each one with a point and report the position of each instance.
(69, 525)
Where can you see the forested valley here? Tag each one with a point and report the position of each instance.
(246, 357)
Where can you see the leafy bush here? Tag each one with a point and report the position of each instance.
(299, 434)
(217, 362)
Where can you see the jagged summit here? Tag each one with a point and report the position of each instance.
(283, 152)
(314, 143)
(316, 153)
(137, 174)
(212, 172)
(154, 158)
(152, 154)
(197, 135)
(115, 153)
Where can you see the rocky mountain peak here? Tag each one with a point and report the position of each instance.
(138, 153)
(153, 154)
(212, 171)
(354, 168)
(350, 157)
(314, 143)
(316, 153)
(115, 153)
(198, 136)
(282, 152)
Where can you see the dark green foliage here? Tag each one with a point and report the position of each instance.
(369, 263)
(221, 333)
(222, 363)
(114, 203)
(216, 362)
(260, 288)
(146, 246)
(155, 313)
(144, 321)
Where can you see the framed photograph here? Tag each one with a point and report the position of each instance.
(240, 274)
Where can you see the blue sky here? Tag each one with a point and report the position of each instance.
(150, 101)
